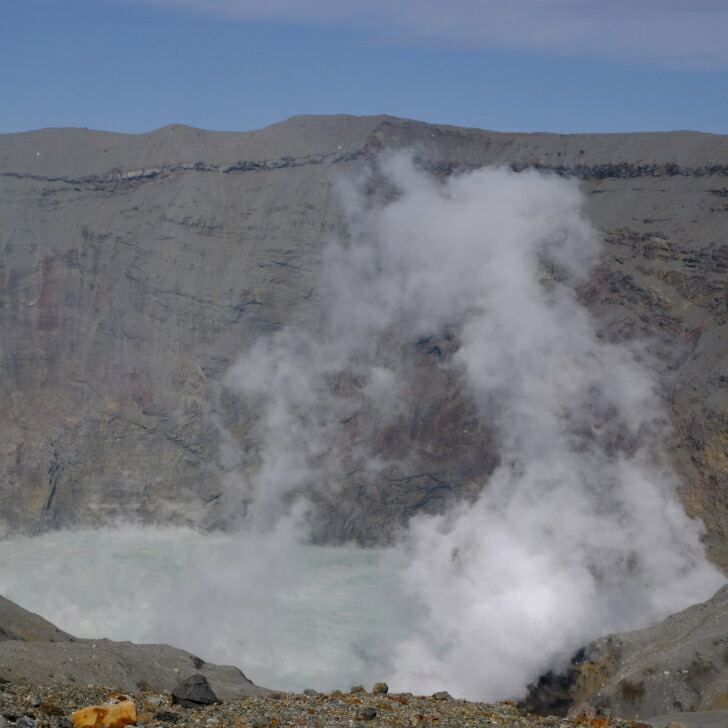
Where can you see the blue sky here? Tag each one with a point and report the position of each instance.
(563, 66)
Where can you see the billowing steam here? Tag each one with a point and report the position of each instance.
(575, 533)
(578, 532)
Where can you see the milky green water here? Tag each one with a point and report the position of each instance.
(289, 617)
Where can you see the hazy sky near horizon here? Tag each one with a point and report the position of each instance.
(566, 66)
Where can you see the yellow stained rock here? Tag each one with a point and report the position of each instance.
(111, 715)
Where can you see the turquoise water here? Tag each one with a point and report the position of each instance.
(493, 611)
(289, 617)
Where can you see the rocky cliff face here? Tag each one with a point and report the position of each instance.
(676, 666)
(135, 269)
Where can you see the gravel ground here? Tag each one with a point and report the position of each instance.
(51, 706)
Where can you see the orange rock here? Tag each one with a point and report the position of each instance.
(111, 715)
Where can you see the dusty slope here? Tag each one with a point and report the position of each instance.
(135, 268)
(34, 651)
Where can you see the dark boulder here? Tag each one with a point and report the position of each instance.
(193, 692)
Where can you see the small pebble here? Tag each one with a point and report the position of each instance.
(167, 716)
(155, 701)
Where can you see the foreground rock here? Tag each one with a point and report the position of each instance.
(49, 706)
(193, 692)
(668, 670)
(33, 651)
(115, 714)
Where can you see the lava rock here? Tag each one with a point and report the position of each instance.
(194, 691)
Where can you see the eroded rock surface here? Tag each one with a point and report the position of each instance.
(33, 651)
(135, 269)
(677, 666)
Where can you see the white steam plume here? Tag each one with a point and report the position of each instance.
(578, 532)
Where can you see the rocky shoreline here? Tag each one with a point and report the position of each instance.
(47, 675)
